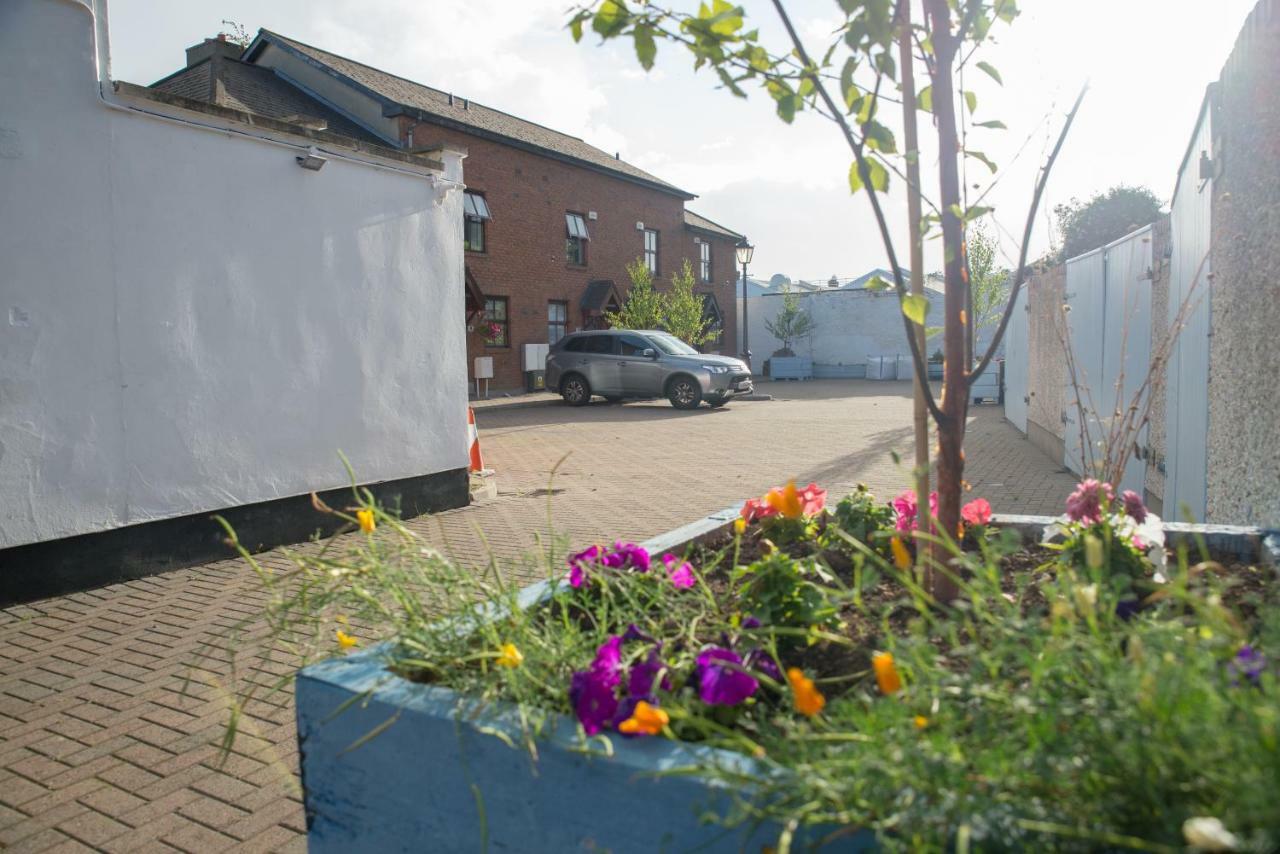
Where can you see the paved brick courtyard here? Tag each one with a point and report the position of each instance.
(108, 733)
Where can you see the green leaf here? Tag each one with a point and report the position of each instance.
(924, 99)
(993, 123)
(646, 50)
(1006, 10)
(847, 87)
(916, 308)
(611, 19)
(971, 100)
(879, 138)
(986, 161)
(991, 71)
(878, 283)
(879, 175)
(575, 26)
(855, 180)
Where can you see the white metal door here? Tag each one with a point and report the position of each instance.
(1086, 299)
(1127, 343)
(1015, 364)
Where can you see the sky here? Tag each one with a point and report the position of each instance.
(1147, 63)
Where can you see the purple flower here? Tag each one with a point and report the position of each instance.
(681, 576)
(578, 564)
(645, 672)
(1133, 506)
(1089, 500)
(762, 662)
(633, 633)
(592, 691)
(627, 556)
(751, 623)
(721, 679)
(1248, 663)
(1127, 609)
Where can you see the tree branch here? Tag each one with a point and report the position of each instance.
(1021, 272)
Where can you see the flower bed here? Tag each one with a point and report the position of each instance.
(1079, 694)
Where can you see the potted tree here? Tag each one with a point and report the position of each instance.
(790, 324)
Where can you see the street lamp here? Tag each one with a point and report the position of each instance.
(744, 251)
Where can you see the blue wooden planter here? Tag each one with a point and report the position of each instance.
(437, 774)
(790, 368)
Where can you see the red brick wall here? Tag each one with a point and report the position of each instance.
(528, 195)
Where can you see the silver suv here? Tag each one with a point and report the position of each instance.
(628, 363)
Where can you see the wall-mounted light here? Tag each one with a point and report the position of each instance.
(312, 161)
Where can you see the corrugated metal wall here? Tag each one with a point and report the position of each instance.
(1187, 392)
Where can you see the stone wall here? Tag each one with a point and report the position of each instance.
(1046, 371)
(1244, 408)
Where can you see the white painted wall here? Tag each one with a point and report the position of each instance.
(189, 321)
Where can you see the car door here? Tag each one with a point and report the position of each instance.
(600, 363)
(640, 374)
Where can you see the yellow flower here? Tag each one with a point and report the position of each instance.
(886, 673)
(808, 699)
(510, 656)
(365, 517)
(646, 719)
(901, 557)
(786, 501)
(345, 640)
(921, 721)
(341, 620)
(739, 526)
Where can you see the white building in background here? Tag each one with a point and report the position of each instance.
(192, 321)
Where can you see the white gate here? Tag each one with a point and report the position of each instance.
(1109, 291)
(1187, 389)
(1016, 357)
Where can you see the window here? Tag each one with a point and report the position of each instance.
(575, 243)
(630, 345)
(599, 344)
(576, 345)
(672, 346)
(713, 317)
(651, 250)
(704, 260)
(475, 213)
(496, 327)
(557, 319)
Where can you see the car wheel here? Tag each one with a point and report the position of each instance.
(684, 393)
(575, 390)
(717, 402)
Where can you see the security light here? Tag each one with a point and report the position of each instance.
(311, 161)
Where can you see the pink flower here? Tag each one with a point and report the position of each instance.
(682, 576)
(756, 509)
(1089, 501)
(1133, 506)
(813, 499)
(976, 512)
(906, 510)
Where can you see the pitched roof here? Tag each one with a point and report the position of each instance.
(253, 89)
(701, 223)
(443, 108)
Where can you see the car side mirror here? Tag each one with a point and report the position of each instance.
(649, 353)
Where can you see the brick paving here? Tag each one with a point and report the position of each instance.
(110, 721)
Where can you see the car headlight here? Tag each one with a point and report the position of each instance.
(716, 369)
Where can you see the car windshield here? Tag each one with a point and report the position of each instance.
(672, 346)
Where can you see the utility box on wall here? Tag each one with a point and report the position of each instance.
(534, 356)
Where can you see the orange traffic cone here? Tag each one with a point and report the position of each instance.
(473, 439)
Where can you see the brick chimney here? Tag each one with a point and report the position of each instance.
(210, 48)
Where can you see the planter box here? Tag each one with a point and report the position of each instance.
(390, 765)
(790, 368)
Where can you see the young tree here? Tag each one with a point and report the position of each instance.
(791, 323)
(642, 309)
(844, 83)
(683, 312)
(1105, 217)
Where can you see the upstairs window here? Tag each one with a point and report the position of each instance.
(651, 250)
(475, 213)
(704, 260)
(575, 243)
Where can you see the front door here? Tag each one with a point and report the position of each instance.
(640, 375)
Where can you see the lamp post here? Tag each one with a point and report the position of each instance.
(744, 251)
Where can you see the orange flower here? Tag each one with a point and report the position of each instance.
(921, 721)
(886, 673)
(646, 720)
(808, 699)
(901, 557)
(786, 501)
(365, 518)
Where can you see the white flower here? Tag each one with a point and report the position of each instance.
(1206, 833)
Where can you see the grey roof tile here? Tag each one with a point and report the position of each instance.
(433, 104)
(701, 223)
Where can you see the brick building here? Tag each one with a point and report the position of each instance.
(551, 222)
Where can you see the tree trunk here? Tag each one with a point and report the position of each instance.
(955, 391)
